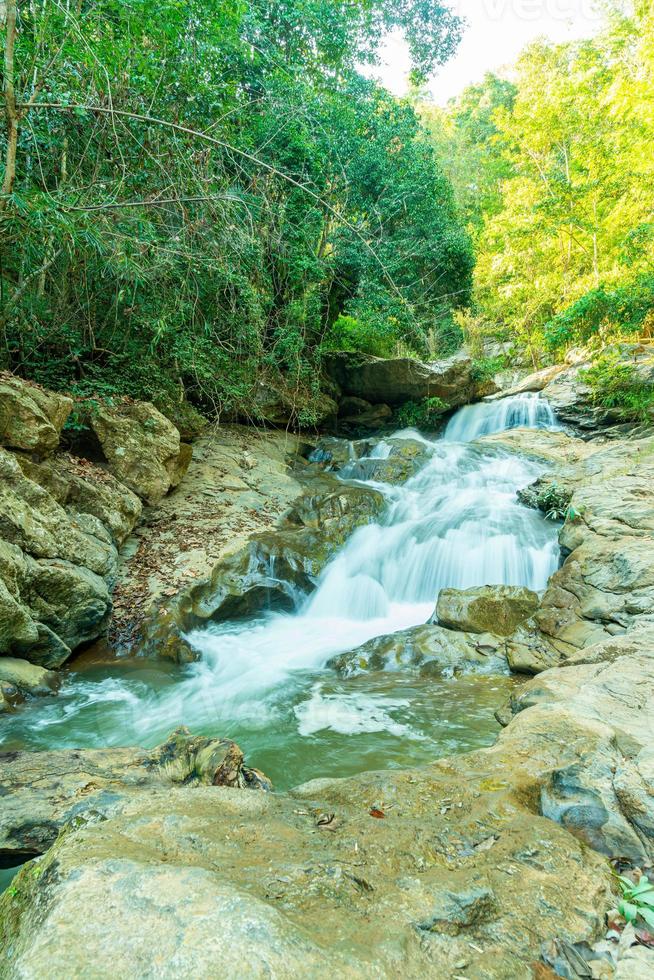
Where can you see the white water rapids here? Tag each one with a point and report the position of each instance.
(456, 523)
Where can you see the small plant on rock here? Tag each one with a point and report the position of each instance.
(637, 902)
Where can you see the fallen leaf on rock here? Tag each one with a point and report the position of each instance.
(360, 882)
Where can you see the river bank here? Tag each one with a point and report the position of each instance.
(478, 865)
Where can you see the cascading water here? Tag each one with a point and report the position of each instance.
(265, 682)
(528, 410)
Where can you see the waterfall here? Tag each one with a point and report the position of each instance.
(528, 410)
(264, 682)
(457, 522)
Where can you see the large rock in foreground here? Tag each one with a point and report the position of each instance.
(31, 418)
(451, 870)
(43, 791)
(142, 447)
(394, 381)
(473, 866)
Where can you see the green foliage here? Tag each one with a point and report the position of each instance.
(485, 368)
(637, 901)
(552, 499)
(603, 314)
(424, 414)
(554, 173)
(349, 333)
(618, 385)
(224, 224)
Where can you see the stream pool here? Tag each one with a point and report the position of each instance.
(265, 682)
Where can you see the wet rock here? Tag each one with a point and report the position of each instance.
(392, 461)
(31, 418)
(552, 445)
(9, 696)
(27, 678)
(275, 569)
(272, 571)
(394, 381)
(432, 648)
(337, 509)
(332, 454)
(498, 609)
(141, 446)
(44, 791)
(240, 483)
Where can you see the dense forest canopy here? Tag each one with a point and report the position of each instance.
(554, 170)
(197, 195)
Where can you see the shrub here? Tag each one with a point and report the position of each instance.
(603, 313)
(616, 384)
(485, 368)
(424, 414)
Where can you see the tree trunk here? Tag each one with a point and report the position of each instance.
(11, 113)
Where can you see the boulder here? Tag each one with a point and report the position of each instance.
(43, 791)
(571, 397)
(31, 418)
(357, 413)
(280, 567)
(56, 566)
(240, 483)
(498, 609)
(393, 381)
(393, 460)
(331, 453)
(432, 648)
(528, 651)
(31, 519)
(608, 800)
(85, 488)
(274, 569)
(532, 382)
(141, 446)
(27, 678)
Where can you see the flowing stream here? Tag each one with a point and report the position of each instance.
(266, 684)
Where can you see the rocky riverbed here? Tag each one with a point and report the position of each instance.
(494, 863)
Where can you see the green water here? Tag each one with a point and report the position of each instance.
(315, 724)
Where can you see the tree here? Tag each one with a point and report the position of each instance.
(201, 188)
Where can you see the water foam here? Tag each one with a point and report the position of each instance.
(457, 522)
